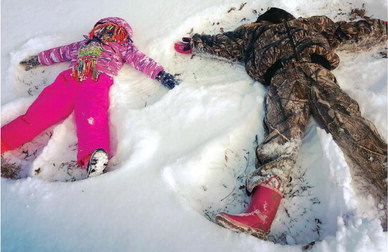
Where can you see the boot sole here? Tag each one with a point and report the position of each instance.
(238, 227)
(97, 163)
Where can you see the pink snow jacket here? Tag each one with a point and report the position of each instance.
(111, 60)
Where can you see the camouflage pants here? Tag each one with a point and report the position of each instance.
(301, 90)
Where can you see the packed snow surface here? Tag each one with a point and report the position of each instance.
(180, 156)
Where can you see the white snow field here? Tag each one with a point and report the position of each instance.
(180, 155)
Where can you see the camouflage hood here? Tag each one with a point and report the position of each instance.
(275, 16)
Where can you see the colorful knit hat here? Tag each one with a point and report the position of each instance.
(118, 21)
(109, 32)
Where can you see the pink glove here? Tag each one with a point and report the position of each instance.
(184, 47)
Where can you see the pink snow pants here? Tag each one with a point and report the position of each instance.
(88, 99)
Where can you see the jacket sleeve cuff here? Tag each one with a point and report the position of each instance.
(155, 73)
(43, 60)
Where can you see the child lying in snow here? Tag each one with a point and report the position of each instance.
(293, 57)
(83, 89)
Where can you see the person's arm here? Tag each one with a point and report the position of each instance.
(150, 67)
(229, 45)
(361, 34)
(53, 55)
(355, 35)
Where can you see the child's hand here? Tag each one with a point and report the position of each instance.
(167, 80)
(184, 47)
(30, 62)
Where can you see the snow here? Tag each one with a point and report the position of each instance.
(180, 155)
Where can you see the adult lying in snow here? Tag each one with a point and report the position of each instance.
(293, 57)
(83, 89)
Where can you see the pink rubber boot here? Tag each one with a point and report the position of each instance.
(258, 218)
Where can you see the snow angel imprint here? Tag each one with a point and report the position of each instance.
(293, 57)
(84, 89)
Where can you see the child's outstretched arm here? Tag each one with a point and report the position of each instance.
(52, 56)
(150, 67)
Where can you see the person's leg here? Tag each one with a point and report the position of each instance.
(287, 115)
(54, 104)
(358, 138)
(92, 118)
(286, 119)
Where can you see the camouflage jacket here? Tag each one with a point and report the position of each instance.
(266, 46)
